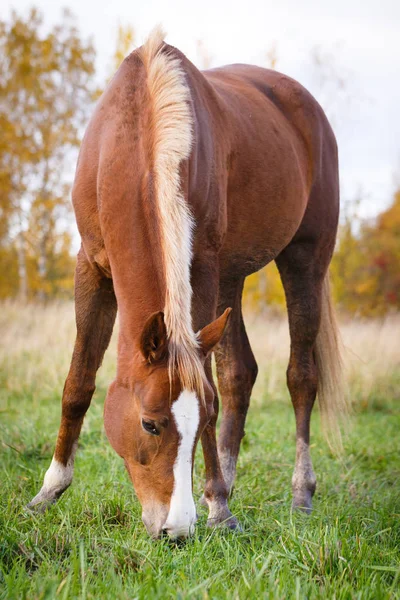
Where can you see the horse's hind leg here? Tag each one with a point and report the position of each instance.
(302, 278)
(237, 372)
(95, 307)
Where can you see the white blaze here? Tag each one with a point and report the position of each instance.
(182, 512)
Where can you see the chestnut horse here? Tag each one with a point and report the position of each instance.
(186, 183)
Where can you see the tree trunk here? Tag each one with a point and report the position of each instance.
(22, 270)
(44, 232)
(42, 267)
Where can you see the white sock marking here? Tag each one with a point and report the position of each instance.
(303, 476)
(57, 478)
(182, 512)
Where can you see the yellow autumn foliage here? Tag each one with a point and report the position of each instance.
(46, 93)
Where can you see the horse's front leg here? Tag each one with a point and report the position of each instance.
(205, 282)
(216, 491)
(96, 308)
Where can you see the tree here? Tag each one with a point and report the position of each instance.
(46, 91)
(125, 44)
(366, 264)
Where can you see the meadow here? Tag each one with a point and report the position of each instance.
(92, 544)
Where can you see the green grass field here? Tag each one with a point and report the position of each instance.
(92, 543)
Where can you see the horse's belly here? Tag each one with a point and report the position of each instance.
(262, 220)
(257, 245)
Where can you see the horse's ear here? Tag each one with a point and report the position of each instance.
(211, 334)
(154, 340)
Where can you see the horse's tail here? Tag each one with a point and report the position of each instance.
(331, 394)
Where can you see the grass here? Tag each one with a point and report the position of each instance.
(92, 543)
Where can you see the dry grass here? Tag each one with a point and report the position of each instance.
(46, 333)
(371, 353)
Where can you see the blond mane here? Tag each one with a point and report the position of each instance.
(170, 136)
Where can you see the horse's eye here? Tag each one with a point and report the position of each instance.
(150, 427)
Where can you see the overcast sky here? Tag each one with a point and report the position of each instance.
(360, 41)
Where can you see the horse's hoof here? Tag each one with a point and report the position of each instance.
(40, 503)
(230, 522)
(36, 508)
(203, 501)
(221, 516)
(302, 502)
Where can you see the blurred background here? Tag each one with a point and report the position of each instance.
(56, 59)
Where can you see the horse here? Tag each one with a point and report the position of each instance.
(188, 181)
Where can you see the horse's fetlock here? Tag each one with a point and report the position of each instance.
(216, 492)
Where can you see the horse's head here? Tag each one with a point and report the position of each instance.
(155, 424)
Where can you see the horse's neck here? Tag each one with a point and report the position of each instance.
(154, 221)
(137, 267)
(138, 298)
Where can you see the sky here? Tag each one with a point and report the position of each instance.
(358, 84)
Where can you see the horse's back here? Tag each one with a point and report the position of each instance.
(284, 154)
(237, 83)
